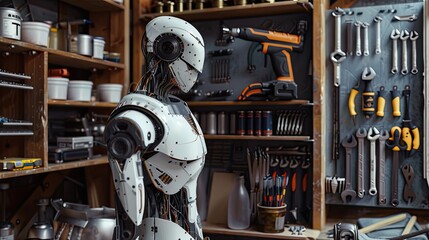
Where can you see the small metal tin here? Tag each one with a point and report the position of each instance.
(232, 123)
(84, 44)
(222, 125)
(257, 123)
(241, 123)
(249, 122)
(267, 123)
(211, 123)
(10, 26)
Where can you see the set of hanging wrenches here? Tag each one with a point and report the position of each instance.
(386, 140)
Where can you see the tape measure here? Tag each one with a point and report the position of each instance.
(17, 164)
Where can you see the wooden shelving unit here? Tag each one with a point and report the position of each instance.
(69, 103)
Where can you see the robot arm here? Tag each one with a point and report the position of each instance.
(128, 133)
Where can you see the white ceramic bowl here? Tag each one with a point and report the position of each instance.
(35, 32)
(57, 88)
(109, 92)
(79, 90)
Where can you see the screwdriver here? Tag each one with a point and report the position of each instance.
(381, 102)
(396, 102)
(353, 93)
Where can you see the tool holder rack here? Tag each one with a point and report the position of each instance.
(351, 70)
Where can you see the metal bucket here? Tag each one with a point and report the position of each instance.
(10, 26)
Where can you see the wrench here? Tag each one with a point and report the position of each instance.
(338, 55)
(348, 194)
(373, 135)
(413, 37)
(377, 21)
(394, 36)
(365, 39)
(361, 134)
(358, 43)
(408, 173)
(404, 37)
(384, 135)
(410, 18)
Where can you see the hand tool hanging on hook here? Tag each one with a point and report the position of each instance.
(408, 173)
(396, 145)
(410, 132)
(368, 95)
(405, 35)
(396, 101)
(361, 134)
(384, 135)
(413, 37)
(373, 135)
(348, 194)
(381, 102)
(395, 36)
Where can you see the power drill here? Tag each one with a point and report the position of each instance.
(278, 45)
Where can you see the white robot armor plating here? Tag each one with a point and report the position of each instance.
(152, 128)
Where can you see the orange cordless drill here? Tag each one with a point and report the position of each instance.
(278, 45)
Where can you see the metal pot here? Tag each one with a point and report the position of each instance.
(82, 222)
(10, 26)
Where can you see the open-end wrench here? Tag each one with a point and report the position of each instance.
(358, 41)
(408, 173)
(395, 144)
(373, 135)
(348, 194)
(384, 135)
(394, 36)
(377, 21)
(413, 37)
(365, 26)
(338, 55)
(410, 18)
(361, 135)
(404, 38)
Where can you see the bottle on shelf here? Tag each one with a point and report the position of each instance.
(239, 205)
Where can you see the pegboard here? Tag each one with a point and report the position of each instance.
(234, 67)
(351, 72)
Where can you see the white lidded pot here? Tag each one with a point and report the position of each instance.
(35, 32)
(79, 90)
(57, 88)
(109, 92)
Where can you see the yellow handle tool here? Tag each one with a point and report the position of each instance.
(407, 138)
(396, 102)
(353, 93)
(381, 102)
(416, 138)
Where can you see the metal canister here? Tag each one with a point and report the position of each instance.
(267, 123)
(257, 123)
(249, 122)
(222, 123)
(232, 123)
(211, 123)
(241, 123)
(84, 44)
(6, 231)
(10, 26)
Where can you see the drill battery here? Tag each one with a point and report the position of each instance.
(17, 164)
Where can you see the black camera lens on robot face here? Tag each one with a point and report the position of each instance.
(121, 146)
(168, 47)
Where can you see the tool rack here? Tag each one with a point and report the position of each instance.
(409, 17)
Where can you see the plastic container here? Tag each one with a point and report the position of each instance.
(53, 38)
(271, 219)
(79, 90)
(84, 44)
(239, 205)
(10, 26)
(57, 88)
(98, 47)
(109, 92)
(36, 32)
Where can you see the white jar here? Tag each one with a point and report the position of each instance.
(36, 32)
(79, 90)
(57, 88)
(98, 48)
(109, 92)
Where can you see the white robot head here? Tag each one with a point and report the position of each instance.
(178, 43)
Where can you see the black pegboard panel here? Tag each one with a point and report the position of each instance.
(351, 71)
(237, 62)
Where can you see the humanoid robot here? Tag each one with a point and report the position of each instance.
(152, 129)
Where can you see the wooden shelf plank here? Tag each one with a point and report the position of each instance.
(210, 228)
(246, 103)
(59, 57)
(254, 10)
(96, 5)
(259, 138)
(70, 103)
(55, 167)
